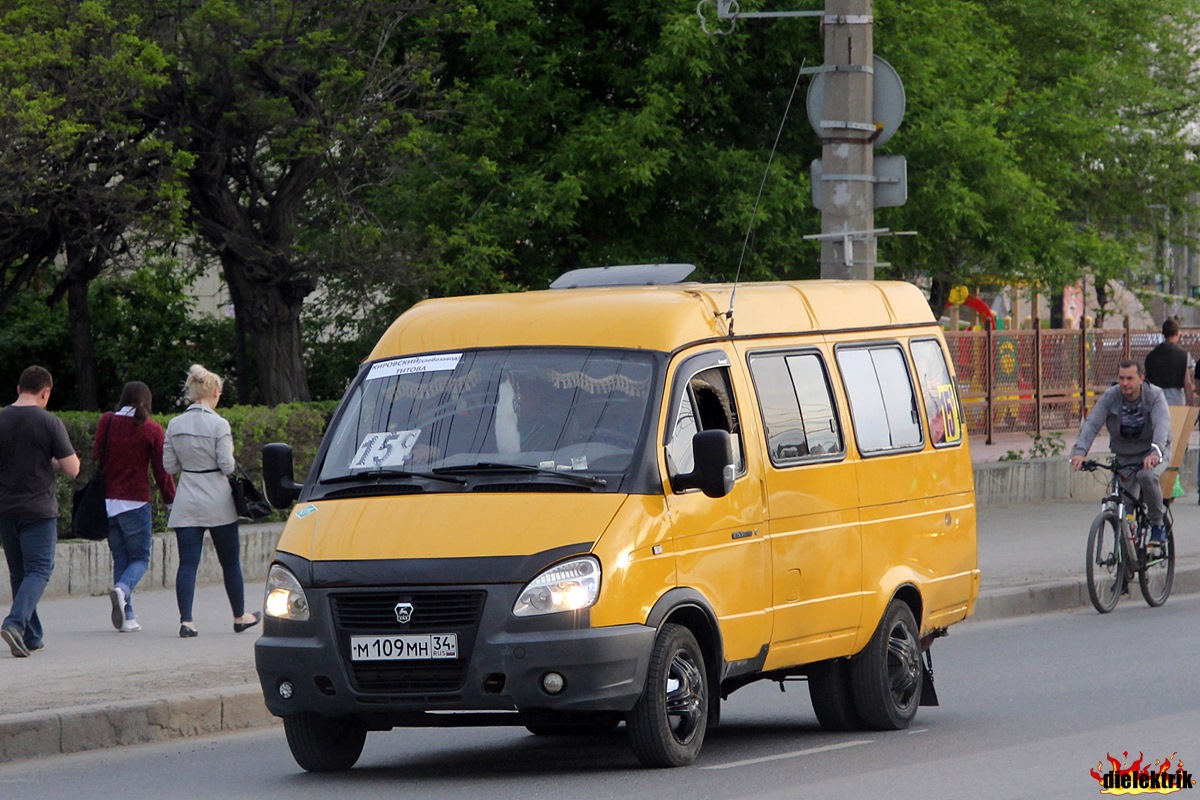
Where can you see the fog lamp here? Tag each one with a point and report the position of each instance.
(553, 683)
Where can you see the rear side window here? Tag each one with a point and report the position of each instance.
(883, 405)
(937, 390)
(797, 407)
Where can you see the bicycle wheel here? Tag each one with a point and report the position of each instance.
(1105, 563)
(1158, 569)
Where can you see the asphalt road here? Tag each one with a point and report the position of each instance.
(1029, 706)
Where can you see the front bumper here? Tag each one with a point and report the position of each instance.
(499, 671)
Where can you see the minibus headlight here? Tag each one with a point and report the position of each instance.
(285, 599)
(570, 586)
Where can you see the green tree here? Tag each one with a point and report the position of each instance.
(1106, 112)
(1037, 135)
(84, 172)
(618, 132)
(296, 113)
(143, 330)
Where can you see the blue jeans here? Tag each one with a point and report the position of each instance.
(29, 550)
(191, 543)
(129, 541)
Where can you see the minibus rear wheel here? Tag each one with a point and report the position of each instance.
(324, 744)
(832, 696)
(667, 724)
(886, 676)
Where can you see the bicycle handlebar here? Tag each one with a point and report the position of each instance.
(1091, 465)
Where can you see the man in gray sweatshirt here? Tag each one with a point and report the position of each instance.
(1139, 432)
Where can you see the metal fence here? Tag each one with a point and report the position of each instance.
(1041, 380)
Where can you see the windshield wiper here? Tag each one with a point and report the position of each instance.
(494, 466)
(391, 473)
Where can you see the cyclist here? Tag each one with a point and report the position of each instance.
(1139, 432)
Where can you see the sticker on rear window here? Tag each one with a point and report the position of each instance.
(408, 366)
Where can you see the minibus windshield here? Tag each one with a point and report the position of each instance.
(573, 411)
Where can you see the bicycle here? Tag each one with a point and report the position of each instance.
(1116, 546)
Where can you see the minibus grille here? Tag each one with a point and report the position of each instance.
(438, 612)
(375, 612)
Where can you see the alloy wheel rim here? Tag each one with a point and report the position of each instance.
(685, 697)
(904, 665)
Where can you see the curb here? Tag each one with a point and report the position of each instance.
(1041, 598)
(233, 708)
(74, 730)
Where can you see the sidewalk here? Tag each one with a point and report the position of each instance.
(92, 687)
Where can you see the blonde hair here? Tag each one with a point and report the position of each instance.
(201, 384)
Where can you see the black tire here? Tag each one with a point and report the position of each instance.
(324, 744)
(1105, 561)
(1158, 569)
(886, 676)
(832, 696)
(668, 722)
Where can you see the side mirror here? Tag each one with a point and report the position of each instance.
(282, 490)
(714, 465)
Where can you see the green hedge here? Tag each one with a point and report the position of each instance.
(299, 424)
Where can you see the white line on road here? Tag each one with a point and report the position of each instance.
(919, 730)
(810, 751)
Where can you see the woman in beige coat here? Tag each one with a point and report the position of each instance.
(199, 447)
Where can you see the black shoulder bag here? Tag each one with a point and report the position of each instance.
(89, 516)
(248, 501)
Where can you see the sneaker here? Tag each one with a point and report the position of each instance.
(15, 640)
(1158, 536)
(130, 625)
(117, 596)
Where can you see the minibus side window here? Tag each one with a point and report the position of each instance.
(883, 405)
(941, 399)
(797, 407)
(706, 404)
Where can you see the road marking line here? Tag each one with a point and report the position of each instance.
(919, 730)
(810, 751)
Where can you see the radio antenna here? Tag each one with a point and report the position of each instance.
(758, 200)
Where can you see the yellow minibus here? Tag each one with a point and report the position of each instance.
(617, 502)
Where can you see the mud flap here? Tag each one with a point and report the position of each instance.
(928, 693)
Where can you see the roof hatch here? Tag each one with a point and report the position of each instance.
(627, 275)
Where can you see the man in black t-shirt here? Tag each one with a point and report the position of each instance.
(33, 444)
(1167, 366)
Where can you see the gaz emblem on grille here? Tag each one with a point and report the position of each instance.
(404, 612)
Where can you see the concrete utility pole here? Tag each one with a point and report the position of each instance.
(847, 135)
(843, 112)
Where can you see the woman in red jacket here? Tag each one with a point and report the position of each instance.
(128, 446)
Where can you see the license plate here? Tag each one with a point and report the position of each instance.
(409, 647)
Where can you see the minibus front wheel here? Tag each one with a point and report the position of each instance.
(324, 744)
(668, 722)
